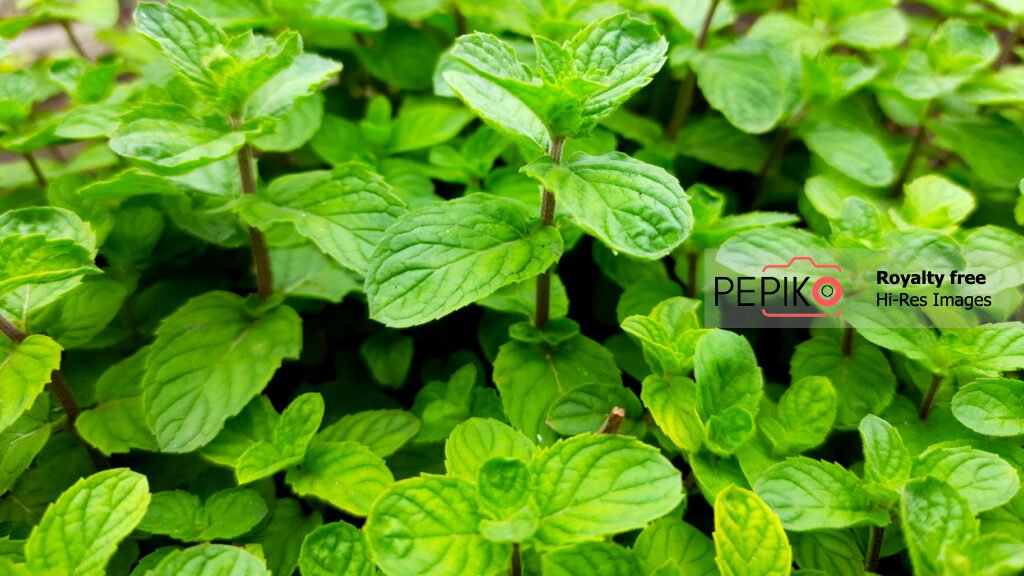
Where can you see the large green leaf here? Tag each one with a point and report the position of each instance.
(993, 407)
(935, 519)
(36, 259)
(336, 549)
(345, 474)
(749, 540)
(747, 82)
(187, 39)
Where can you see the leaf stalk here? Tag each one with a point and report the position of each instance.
(58, 384)
(547, 218)
(260, 251)
(915, 150)
(34, 165)
(875, 535)
(929, 398)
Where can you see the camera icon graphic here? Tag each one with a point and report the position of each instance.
(826, 291)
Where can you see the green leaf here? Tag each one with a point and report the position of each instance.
(886, 460)
(994, 407)
(336, 549)
(803, 417)
(478, 440)
(500, 109)
(388, 355)
(345, 474)
(670, 542)
(932, 201)
(382, 431)
(873, 29)
(304, 271)
(276, 97)
(281, 538)
(225, 515)
(531, 377)
(835, 552)
(117, 424)
(211, 560)
(668, 335)
(985, 145)
(345, 15)
(851, 148)
(634, 208)
(81, 530)
(995, 346)
(427, 526)
(344, 211)
(935, 519)
(22, 441)
(727, 374)
(292, 435)
(984, 480)
(585, 408)
(747, 82)
(991, 554)
(168, 140)
(210, 357)
(749, 540)
(673, 404)
(594, 558)
(504, 483)
(593, 485)
(713, 140)
(426, 123)
(25, 368)
(441, 257)
(813, 495)
(36, 259)
(187, 39)
(863, 381)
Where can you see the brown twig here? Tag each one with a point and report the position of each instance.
(73, 40)
(613, 422)
(260, 251)
(929, 398)
(875, 537)
(547, 218)
(34, 165)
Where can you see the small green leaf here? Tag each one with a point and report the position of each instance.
(336, 549)
(593, 485)
(427, 526)
(81, 530)
(36, 259)
(187, 39)
(592, 558)
(168, 140)
(585, 408)
(226, 514)
(292, 435)
(813, 495)
(477, 440)
(749, 540)
(22, 441)
(873, 29)
(674, 543)
(886, 460)
(934, 202)
(673, 404)
(25, 368)
(935, 520)
(836, 552)
(727, 374)
(803, 417)
(345, 474)
(388, 355)
(276, 97)
(992, 407)
(635, 208)
(304, 271)
(382, 431)
(210, 358)
(747, 82)
(442, 257)
(984, 480)
(211, 560)
(851, 148)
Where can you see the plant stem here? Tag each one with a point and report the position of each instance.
(929, 398)
(687, 86)
(613, 422)
(875, 535)
(58, 385)
(1006, 48)
(260, 252)
(691, 274)
(517, 566)
(73, 40)
(915, 149)
(847, 340)
(547, 218)
(34, 165)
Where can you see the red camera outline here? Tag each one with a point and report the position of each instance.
(814, 290)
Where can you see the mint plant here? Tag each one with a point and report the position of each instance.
(358, 287)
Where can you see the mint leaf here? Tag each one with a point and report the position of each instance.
(36, 259)
(292, 435)
(585, 408)
(169, 140)
(225, 514)
(25, 368)
(388, 355)
(477, 440)
(671, 545)
(749, 540)
(274, 98)
(747, 82)
(336, 549)
(673, 404)
(803, 417)
(437, 259)
(813, 495)
(117, 424)
(345, 474)
(633, 207)
(22, 441)
(81, 530)
(382, 431)
(210, 358)
(596, 558)
(935, 521)
(187, 39)
(983, 479)
(211, 560)
(830, 551)
(531, 377)
(504, 483)
(935, 202)
(428, 527)
(727, 374)
(886, 460)
(589, 486)
(994, 407)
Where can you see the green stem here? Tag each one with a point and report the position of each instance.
(547, 218)
(260, 252)
(34, 165)
(687, 86)
(875, 535)
(929, 398)
(915, 150)
(847, 340)
(691, 274)
(58, 385)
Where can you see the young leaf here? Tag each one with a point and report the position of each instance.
(592, 485)
(25, 368)
(635, 208)
(673, 404)
(670, 542)
(211, 560)
(442, 257)
(803, 417)
(427, 526)
(994, 407)
(886, 460)
(187, 39)
(81, 530)
(36, 259)
(479, 439)
(727, 374)
(345, 474)
(749, 541)
(277, 96)
(813, 495)
(336, 549)
(594, 558)
(935, 519)
(210, 358)
(382, 431)
(984, 480)
(388, 355)
(504, 483)
(292, 435)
